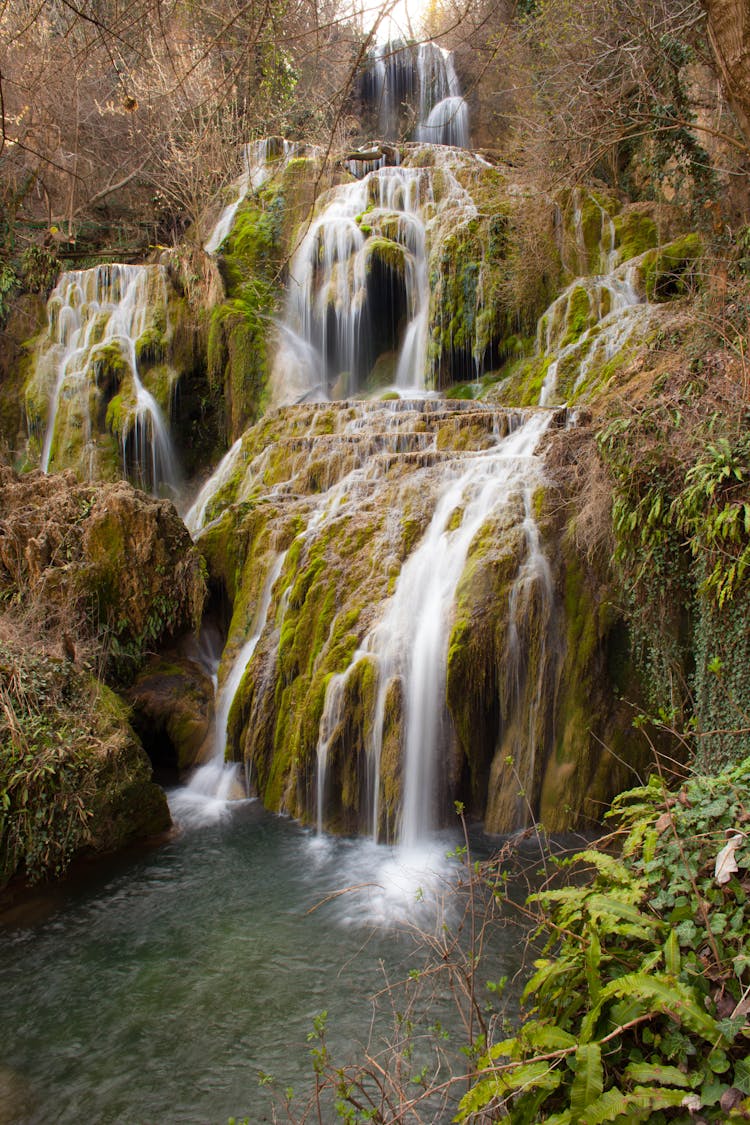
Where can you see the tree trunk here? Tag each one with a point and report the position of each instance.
(729, 36)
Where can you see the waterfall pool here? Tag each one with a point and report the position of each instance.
(166, 985)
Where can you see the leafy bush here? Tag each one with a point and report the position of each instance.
(8, 285)
(40, 268)
(639, 1010)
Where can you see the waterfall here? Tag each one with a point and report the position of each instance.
(196, 514)
(412, 638)
(444, 501)
(260, 160)
(593, 318)
(422, 78)
(408, 643)
(447, 124)
(358, 290)
(98, 320)
(216, 783)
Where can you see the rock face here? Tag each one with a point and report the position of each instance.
(359, 507)
(729, 35)
(173, 709)
(91, 578)
(104, 562)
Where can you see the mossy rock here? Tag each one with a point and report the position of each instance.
(383, 372)
(173, 707)
(383, 252)
(670, 271)
(636, 233)
(73, 776)
(579, 315)
(151, 346)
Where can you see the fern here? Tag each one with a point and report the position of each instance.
(622, 1021)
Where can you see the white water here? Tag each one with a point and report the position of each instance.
(90, 310)
(615, 311)
(324, 342)
(412, 638)
(195, 516)
(423, 77)
(447, 124)
(260, 160)
(409, 643)
(214, 785)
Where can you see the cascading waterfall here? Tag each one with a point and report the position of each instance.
(213, 785)
(409, 643)
(600, 313)
(260, 160)
(412, 638)
(358, 276)
(422, 77)
(387, 749)
(98, 318)
(195, 516)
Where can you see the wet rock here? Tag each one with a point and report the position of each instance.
(173, 707)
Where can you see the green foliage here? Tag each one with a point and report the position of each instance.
(681, 518)
(638, 1009)
(72, 776)
(43, 789)
(8, 286)
(713, 511)
(39, 268)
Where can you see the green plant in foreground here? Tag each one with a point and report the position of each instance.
(639, 1008)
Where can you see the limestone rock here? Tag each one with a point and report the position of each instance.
(173, 706)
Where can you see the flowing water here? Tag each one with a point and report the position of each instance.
(423, 77)
(165, 985)
(260, 160)
(214, 785)
(96, 318)
(345, 300)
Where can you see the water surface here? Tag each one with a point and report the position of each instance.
(163, 989)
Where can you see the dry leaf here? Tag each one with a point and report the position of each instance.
(664, 822)
(726, 865)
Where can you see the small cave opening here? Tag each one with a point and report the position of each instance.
(159, 747)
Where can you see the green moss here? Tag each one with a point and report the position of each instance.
(383, 372)
(591, 227)
(151, 345)
(670, 271)
(389, 254)
(525, 379)
(119, 416)
(237, 353)
(579, 315)
(635, 233)
(160, 380)
(462, 391)
(109, 365)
